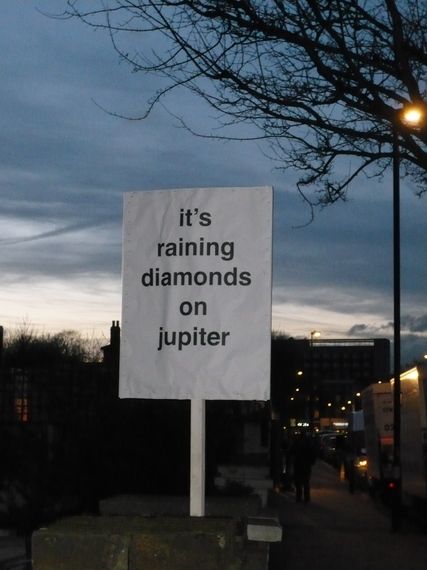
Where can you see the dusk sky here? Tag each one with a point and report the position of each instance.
(65, 163)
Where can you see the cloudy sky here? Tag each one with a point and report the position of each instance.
(64, 164)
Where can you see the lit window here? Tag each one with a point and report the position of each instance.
(22, 410)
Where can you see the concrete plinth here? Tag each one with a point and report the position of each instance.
(142, 543)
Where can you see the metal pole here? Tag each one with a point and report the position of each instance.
(311, 389)
(397, 491)
(197, 461)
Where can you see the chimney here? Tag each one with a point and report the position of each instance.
(115, 335)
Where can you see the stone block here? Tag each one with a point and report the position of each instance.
(257, 556)
(181, 551)
(56, 550)
(264, 529)
(140, 543)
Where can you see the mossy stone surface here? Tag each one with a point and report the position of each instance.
(139, 543)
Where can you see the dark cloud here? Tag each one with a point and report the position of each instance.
(359, 330)
(415, 324)
(409, 324)
(71, 228)
(413, 346)
(62, 261)
(413, 349)
(371, 330)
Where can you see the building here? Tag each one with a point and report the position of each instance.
(317, 382)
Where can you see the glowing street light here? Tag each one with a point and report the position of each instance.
(413, 116)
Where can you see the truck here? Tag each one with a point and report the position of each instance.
(377, 406)
(413, 435)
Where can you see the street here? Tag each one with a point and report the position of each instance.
(340, 531)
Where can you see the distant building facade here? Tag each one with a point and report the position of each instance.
(319, 381)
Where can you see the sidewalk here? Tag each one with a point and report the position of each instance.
(341, 531)
(12, 552)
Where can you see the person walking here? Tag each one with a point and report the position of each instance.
(303, 456)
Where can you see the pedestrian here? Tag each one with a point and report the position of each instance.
(286, 481)
(303, 456)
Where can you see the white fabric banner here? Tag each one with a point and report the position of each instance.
(196, 315)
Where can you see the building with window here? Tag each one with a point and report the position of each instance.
(317, 382)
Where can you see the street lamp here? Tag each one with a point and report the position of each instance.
(411, 116)
(313, 334)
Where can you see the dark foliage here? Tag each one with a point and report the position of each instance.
(25, 348)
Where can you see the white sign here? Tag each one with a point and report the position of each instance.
(196, 317)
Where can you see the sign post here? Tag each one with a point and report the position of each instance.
(196, 314)
(198, 455)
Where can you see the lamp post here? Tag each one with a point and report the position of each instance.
(411, 117)
(397, 495)
(313, 335)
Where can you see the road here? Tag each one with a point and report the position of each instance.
(340, 531)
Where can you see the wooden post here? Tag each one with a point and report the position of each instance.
(197, 466)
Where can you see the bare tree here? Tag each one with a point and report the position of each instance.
(25, 347)
(321, 80)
